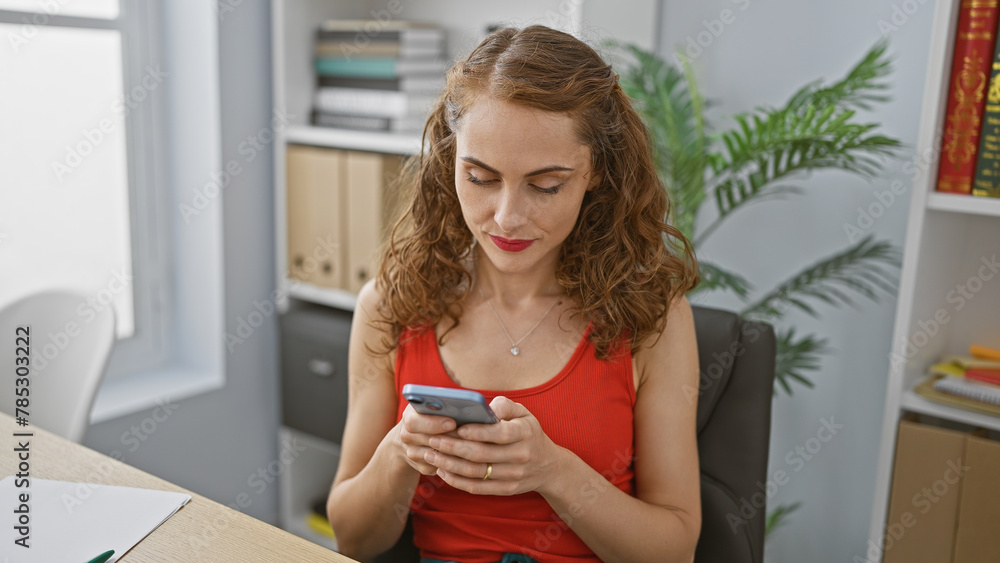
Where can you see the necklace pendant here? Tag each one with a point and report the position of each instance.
(514, 350)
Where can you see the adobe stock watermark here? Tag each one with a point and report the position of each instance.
(868, 215)
(31, 27)
(259, 481)
(249, 148)
(924, 499)
(863, 223)
(723, 362)
(247, 324)
(923, 160)
(796, 459)
(226, 7)
(589, 494)
(958, 297)
(132, 439)
(695, 45)
(139, 433)
(86, 313)
(372, 28)
(92, 138)
(563, 18)
(900, 15)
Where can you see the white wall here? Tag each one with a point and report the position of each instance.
(767, 51)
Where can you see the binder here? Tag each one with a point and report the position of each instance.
(919, 528)
(370, 210)
(315, 210)
(976, 538)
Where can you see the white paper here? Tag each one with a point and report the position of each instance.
(75, 522)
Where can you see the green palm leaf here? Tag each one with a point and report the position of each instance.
(761, 158)
(815, 129)
(775, 144)
(779, 517)
(714, 278)
(858, 90)
(859, 269)
(795, 356)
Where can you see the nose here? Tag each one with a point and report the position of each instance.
(511, 210)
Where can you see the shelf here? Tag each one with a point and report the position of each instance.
(964, 204)
(390, 143)
(322, 295)
(299, 527)
(911, 401)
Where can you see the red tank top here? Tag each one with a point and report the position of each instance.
(587, 408)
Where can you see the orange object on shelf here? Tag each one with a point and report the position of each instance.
(984, 352)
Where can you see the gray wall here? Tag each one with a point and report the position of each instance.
(214, 443)
(767, 51)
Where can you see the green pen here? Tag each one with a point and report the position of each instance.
(102, 557)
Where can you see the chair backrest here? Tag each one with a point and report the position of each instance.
(736, 387)
(70, 342)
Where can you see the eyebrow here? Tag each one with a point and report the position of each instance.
(481, 164)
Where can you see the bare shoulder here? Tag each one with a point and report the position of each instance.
(672, 353)
(666, 405)
(368, 334)
(368, 300)
(371, 410)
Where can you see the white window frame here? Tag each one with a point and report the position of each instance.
(173, 147)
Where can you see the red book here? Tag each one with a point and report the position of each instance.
(984, 375)
(975, 39)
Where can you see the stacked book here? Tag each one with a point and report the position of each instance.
(970, 144)
(971, 382)
(377, 75)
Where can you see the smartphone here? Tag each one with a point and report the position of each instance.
(462, 405)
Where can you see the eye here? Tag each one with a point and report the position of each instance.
(548, 191)
(479, 182)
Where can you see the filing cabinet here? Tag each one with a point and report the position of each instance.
(314, 342)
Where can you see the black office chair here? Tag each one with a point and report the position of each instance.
(736, 360)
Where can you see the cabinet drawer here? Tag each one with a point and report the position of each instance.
(314, 371)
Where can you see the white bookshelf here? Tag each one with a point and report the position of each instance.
(947, 238)
(390, 143)
(305, 478)
(913, 402)
(322, 295)
(964, 204)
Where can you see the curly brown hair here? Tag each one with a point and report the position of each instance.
(622, 264)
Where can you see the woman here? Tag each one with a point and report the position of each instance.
(531, 266)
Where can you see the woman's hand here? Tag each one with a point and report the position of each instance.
(415, 431)
(522, 457)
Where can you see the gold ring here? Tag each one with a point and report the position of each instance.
(489, 471)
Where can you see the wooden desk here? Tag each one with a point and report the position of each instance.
(203, 530)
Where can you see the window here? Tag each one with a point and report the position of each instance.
(76, 162)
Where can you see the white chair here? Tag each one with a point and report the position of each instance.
(70, 342)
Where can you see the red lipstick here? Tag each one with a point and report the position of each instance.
(511, 245)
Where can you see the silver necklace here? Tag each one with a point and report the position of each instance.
(513, 345)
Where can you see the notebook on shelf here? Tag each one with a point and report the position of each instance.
(969, 395)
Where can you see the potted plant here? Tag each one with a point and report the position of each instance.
(762, 155)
